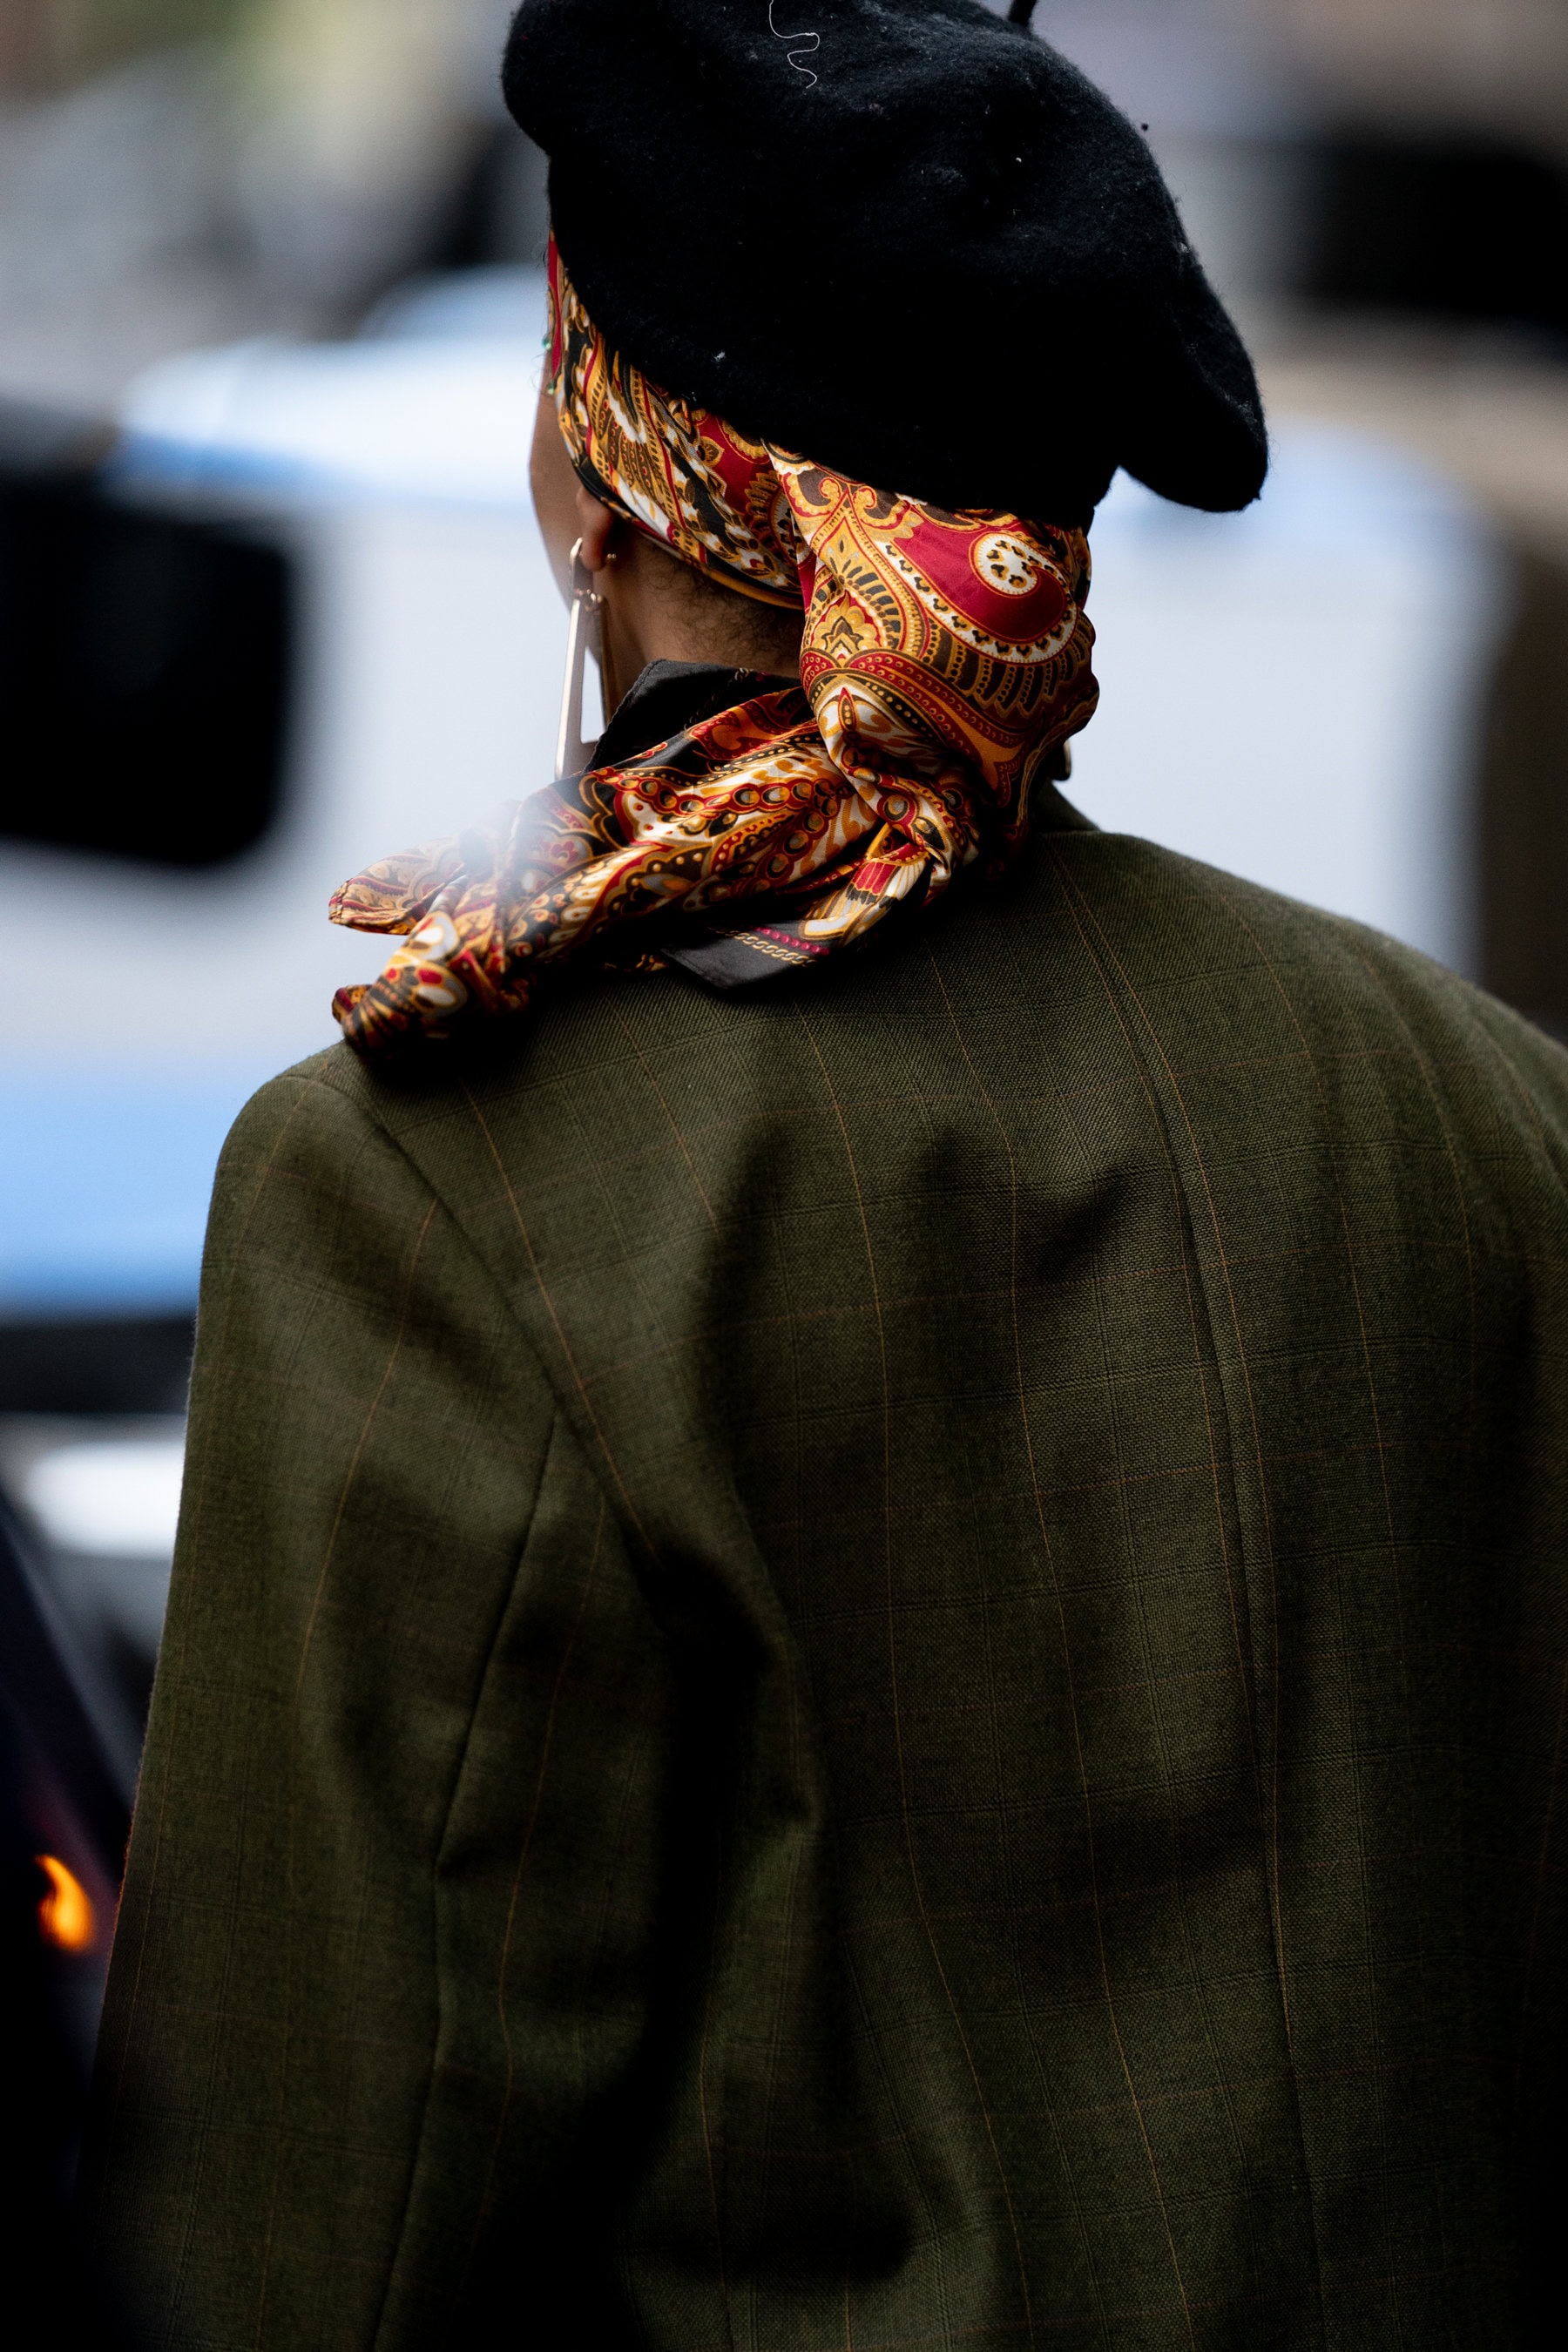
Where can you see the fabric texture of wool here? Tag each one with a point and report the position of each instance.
(914, 244)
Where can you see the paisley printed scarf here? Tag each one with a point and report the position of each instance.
(944, 658)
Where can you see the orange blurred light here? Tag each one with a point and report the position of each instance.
(66, 1915)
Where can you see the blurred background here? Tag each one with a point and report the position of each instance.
(271, 603)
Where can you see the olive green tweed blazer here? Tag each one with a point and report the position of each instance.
(881, 1664)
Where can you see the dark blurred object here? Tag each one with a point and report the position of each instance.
(43, 2093)
(64, 1817)
(58, 1742)
(38, 440)
(1463, 228)
(137, 1365)
(1524, 801)
(500, 209)
(145, 664)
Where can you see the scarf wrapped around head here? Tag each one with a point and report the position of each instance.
(944, 657)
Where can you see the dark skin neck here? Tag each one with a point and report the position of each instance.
(645, 617)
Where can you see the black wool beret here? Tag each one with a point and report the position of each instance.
(901, 238)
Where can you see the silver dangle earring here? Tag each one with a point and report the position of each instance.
(584, 637)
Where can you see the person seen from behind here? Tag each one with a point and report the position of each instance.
(870, 1634)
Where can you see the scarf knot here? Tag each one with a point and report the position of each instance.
(944, 656)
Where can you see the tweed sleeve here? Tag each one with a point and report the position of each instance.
(383, 1943)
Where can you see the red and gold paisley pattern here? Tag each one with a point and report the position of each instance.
(682, 474)
(944, 657)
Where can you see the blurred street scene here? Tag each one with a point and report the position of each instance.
(272, 603)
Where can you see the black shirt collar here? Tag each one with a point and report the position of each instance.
(669, 696)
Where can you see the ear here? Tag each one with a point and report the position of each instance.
(597, 525)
